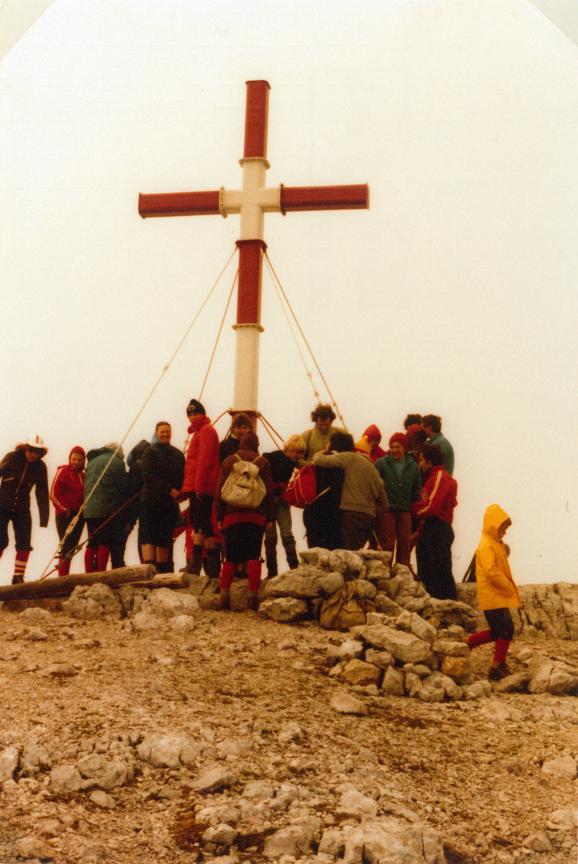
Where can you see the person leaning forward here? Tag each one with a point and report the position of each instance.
(363, 498)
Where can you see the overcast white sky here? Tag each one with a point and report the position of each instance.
(454, 294)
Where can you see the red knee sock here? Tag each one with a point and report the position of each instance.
(20, 563)
(64, 566)
(90, 559)
(480, 638)
(228, 571)
(501, 650)
(254, 575)
(102, 558)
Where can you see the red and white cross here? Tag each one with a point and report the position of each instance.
(252, 202)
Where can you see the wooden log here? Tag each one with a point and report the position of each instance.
(65, 585)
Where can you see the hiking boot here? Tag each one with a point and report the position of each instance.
(212, 563)
(224, 601)
(498, 672)
(18, 579)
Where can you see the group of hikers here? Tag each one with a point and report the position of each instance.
(238, 501)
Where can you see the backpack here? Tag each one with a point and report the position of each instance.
(301, 491)
(244, 487)
(346, 608)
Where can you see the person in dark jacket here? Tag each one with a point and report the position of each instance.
(240, 424)
(402, 481)
(283, 463)
(162, 470)
(22, 470)
(67, 496)
(322, 519)
(105, 484)
(131, 513)
(243, 529)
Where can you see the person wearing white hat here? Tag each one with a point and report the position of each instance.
(21, 470)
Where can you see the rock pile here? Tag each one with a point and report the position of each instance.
(144, 609)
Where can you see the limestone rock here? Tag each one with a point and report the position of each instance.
(412, 684)
(538, 842)
(35, 634)
(168, 750)
(353, 804)
(403, 646)
(393, 682)
(221, 835)
(9, 758)
(60, 670)
(561, 766)
(290, 732)
(91, 602)
(102, 800)
(36, 616)
(515, 683)
(292, 840)
(350, 649)
(65, 779)
(283, 609)
(563, 820)
(104, 773)
(438, 683)
(389, 840)
(386, 605)
(33, 760)
(32, 846)
(183, 623)
(346, 562)
(165, 603)
(358, 672)
(213, 779)
(458, 668)
(448, 612)
(345, 703)
(450, 648)
(304, 582)
(381, 659)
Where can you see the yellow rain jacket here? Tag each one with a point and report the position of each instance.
(494, 583)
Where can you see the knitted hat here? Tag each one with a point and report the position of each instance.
(195, 407)
(411, 431)
(398, 438)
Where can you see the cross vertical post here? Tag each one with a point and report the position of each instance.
(251, 203)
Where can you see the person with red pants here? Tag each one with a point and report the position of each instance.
(67, 496)
(435, 513)
(496, 591)
(21, 470)
(243, 528)
(200, 478)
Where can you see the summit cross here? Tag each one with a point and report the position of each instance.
(252, 202)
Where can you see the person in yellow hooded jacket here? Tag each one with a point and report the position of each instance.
(496, 590)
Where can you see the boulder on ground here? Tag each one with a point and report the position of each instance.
(304, 582)
(91, 602)
(283, 609)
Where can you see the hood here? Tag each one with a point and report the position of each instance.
(108, 448)
(137, 451)
(197, 423)
(363, 445)
(373, 434)
(493, 518)
(78, 449)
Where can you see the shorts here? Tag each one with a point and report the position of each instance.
(157, 523)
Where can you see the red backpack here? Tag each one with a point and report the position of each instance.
(301, 491)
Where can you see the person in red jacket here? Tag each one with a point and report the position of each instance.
(67, 495)
(243, 528)
(435, 513)
(200, 480)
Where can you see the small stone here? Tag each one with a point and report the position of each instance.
(35, 634)
(93, 853)
(103, 772)
(345, 703)
(32, 846)
(458, 668)
(393, 682)
(355, 805)
(450, 648)
(65, 779)
(290, 732)
(9, 759)
(101, 799)
(283, 609)
(561, 766)
(562, 820)
(213, 779)
(538, 842)
(381, 659)
(360, 673)
(34, 615)
(183, 623)
(60, 670)
(222, 835)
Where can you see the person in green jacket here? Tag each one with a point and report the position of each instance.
(104, 497)
(402, 481)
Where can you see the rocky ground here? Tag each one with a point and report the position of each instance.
(225, 737)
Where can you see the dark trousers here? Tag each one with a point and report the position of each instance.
(323, 528)
(22, 525)
(62, 522)
(355, 529)
(434, 559)
(500, 623)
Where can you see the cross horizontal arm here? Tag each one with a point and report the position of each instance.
(324, 197)
(179, 204)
